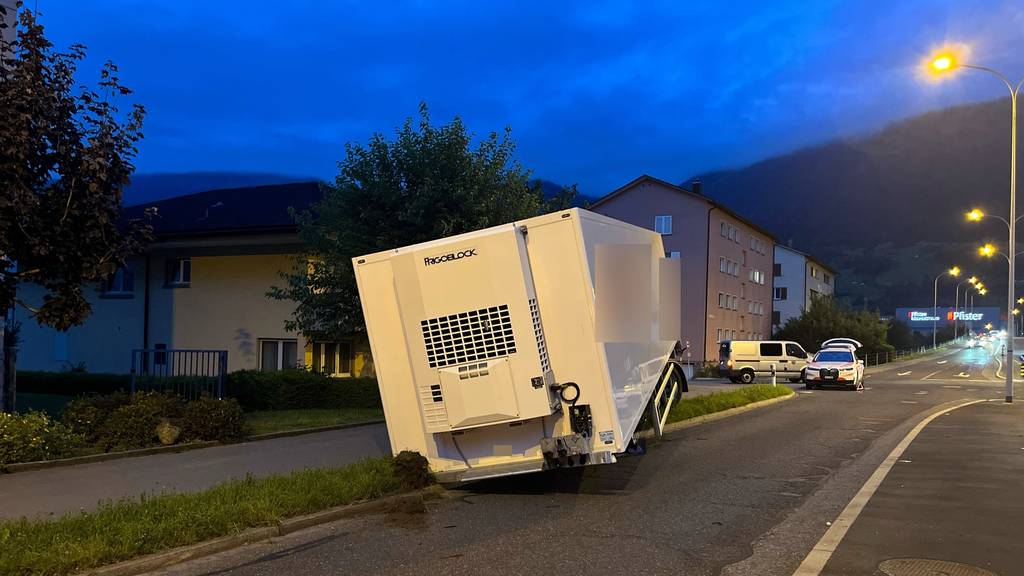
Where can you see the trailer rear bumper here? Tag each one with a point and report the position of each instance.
(511, 469)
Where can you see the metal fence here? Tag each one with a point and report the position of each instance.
(886, 357)
(188, 373)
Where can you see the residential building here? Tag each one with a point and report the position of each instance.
(202, 285)
(726, 260)
(797, 278)
(8, 17)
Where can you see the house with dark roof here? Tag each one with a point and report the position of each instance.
(201, 285)
(727, 260)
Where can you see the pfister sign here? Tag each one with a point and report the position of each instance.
(921, 318)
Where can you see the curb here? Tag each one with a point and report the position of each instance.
(92, 458)
(698, 420)
(181, 554)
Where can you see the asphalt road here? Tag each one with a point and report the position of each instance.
(750, 494)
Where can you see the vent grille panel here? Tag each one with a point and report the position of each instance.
(433, 407)
(468, 336)
(538, 332)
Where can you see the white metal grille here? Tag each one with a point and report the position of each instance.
(433, 406)
(468, 336)
(473, 371)
(538, 332)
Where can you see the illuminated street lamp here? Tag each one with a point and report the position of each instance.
(956, 303)
(943, 63)
(952, 273)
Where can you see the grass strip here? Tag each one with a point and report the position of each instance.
(127, 529)
(284, 420)
(700, 405)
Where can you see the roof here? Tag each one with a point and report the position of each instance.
(248, 210)
(807, 256)
(677, 188)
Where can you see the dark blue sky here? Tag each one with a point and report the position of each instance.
(597, 94)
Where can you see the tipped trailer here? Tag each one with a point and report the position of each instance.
(533, 345)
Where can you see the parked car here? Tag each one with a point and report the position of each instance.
(743, 360)
(836, 363)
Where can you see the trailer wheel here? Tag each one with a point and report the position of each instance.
(747, 376)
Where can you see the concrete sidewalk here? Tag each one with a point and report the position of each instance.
(953, 497)
(55, 491)
(81, 487)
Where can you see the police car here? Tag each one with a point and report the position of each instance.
(836, 364)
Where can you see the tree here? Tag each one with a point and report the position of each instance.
(901, 337)
(826, 319)
(427, 183)
(67, 153)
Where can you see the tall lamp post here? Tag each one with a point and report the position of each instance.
(953, 273)
(956, 303)
(943, 63)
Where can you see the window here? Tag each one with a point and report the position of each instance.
(725, 230)
(777, 270)
(771, 349)
(814, 294)
(179, 272)
(278, 354)
(734, 269)
(332, 358)
(826, 278)
(814, 272)
(795, 351)
(672, 254)
(733, 334)
(723, 265)
(781, 293)
(719, 335)
(721, 300)
(663, 225)
(776, 317)
(120, 284)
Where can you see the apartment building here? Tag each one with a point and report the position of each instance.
(797, 279)
(201, 285)
(726, 260)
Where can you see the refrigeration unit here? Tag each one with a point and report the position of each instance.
(532, 345)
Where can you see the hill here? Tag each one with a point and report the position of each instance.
(159, 186)
(888, 209)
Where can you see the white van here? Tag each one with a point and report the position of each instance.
(743, 360)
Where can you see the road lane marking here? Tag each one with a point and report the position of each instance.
(963, 375)
(908, 401)
(942, 361)
(950, 387)
(822, 551)
(904, 373)
(930, 375)
(921, 393)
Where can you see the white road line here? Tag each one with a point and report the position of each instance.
(815, 561)
(908, 401)
(904, 373)
(950, 387)
(930, 375)
(942, 361)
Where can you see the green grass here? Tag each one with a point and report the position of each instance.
(122, 530)
(700, 405)
(283, 420)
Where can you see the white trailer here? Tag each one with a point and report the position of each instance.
(532, 345)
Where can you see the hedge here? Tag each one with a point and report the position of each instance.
(71, 383)
(254, 390)
(297, 389)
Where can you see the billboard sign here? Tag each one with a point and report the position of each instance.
(923, 318)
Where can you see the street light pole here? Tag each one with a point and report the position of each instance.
(956, 304)
(945, 62)
(952, 272)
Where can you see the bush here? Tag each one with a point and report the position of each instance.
(87, 414)
(34, 436)
(210, 418)
(72, 383)
(134, 424)
(297, 389)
